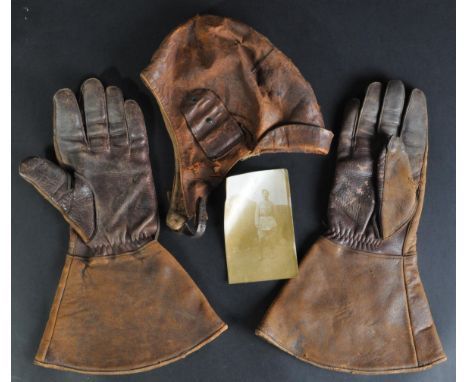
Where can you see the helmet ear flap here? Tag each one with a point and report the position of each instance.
(211, 124)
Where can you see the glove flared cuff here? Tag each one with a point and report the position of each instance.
(355, 311)
(125, 314)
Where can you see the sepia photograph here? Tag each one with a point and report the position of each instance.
(258, 227)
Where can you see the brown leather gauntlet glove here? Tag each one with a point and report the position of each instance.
(358, 304)
(226, 94)
(123, 303)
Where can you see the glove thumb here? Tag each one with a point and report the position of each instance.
(74, 201)
(396, 187)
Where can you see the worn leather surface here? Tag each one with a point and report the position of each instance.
(123, 303)
(226, 93)
(125, 313)
(109, 199)
(358, 304)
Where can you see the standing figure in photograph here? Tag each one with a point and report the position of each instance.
(265, 221)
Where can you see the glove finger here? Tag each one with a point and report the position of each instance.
(116, 114)
(397, 190)
(69, 135)
(75, 203)
(48, 178)
(366, 127)
(390, 116)
(414, 131)
(347, 131)
(136, 129)
(95, 109)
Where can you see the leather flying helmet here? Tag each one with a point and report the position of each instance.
(226, 94)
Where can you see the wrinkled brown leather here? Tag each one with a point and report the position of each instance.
(226, 93)
(358, 304)
(125, 313)
(123, 304)
(110, 201)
